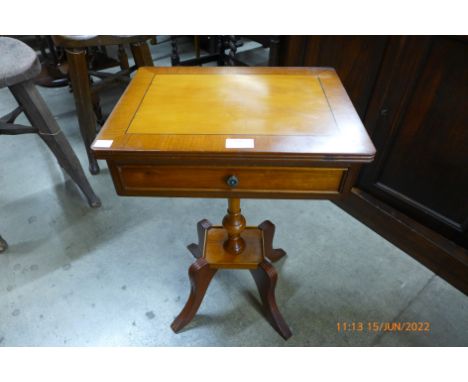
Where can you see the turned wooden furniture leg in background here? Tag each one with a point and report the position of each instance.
(271, 254)
(42, 119)
(123, 57)
(79, 77)
(197, 249)
(175, 58)
(265, 277)
(273, 59)
(221, 51)
(200, 275)
(3, 245)
(141, 54)
(232, 50)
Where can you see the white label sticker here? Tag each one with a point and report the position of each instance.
(240, 143)
(103, 143)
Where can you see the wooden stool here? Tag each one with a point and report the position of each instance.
(86, 94)
(18, 67)
(234, 246)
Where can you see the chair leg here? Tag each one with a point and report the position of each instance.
(232, 50)
(123, 58)
(175, 58)
(221, 51)
(79, 77)
(40, 117)
(141, 54)
(3, 245)
(273, 59)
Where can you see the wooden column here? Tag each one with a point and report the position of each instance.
(234, 223)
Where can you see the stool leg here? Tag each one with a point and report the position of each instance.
(40, 117)
(3, 245)
(78, 72)
(271, 254)
(200, 275)
(197, 249)
(265, 277)
(141, 54)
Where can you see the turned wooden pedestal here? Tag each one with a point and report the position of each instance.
(234, 246)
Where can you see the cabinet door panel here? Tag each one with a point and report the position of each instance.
(421, 133)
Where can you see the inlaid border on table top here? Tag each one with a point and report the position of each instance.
(352, 144)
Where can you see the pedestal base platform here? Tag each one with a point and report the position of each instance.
(217, 257)
(211, 255)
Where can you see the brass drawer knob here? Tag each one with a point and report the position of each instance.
(232, 181)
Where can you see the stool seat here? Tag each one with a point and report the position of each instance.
(84, 41)
(18, 62)
(19, 65)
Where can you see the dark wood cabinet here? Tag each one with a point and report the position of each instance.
(418, 117)
(412, 94)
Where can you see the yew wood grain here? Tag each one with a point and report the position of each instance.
(293, 112)
(234, 104)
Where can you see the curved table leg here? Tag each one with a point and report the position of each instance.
(3, 245)
(265, 277)
(271, 254)
(197, 249)
(200, 275)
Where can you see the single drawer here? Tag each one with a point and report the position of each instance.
(224, 181)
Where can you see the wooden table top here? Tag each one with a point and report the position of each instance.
(232, 111)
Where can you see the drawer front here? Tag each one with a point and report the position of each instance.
(226, 181)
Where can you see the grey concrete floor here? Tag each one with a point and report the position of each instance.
(74, 276)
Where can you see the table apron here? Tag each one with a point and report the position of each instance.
(229, 181)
